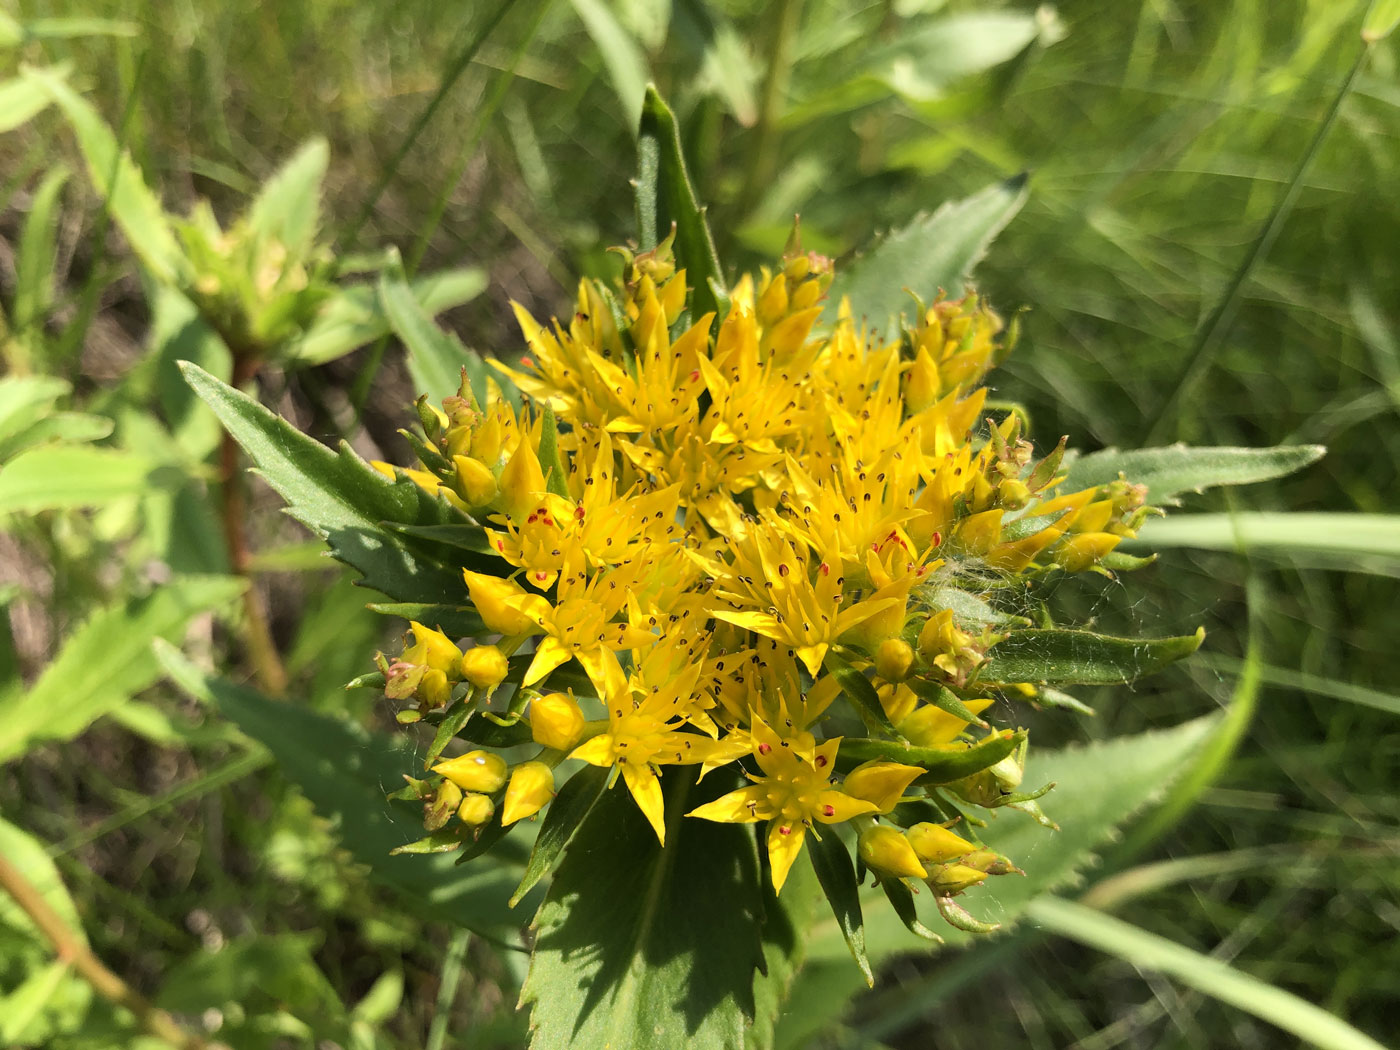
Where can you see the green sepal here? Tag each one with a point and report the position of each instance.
(446, 840)
(550, 460)
(1061, 657)
(902, 900)
(943, 767)
(956, 916)
(837, 876)
(566, 814)
(943, 698)
(860, 691)
(1121, 561)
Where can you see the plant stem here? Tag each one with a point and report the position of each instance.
(262, 650)
(447, 989)
(775, 85)
(71, 949)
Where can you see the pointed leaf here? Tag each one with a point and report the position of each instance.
(1060, 657)
(353, 317)
(629, 954)
(550, 460)
(117, 179)
(288, 207)
(105, 661)
(1168, 472)
(676, 202)
(340, 498)
(562, 819)
(1198, 970)
(932, 252)
(34, 276)
(944, 766)
(837, 875)
(435, 357)
(860, 691)
(21, 99)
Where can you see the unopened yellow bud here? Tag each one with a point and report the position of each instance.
(489, 594)
(476, 809)
(1013, 494)
(1076, 553)
(475, 481)
(922, 387)
(556, 721)
(954, 878)
(433, 688)
(889, 853)
(893, 659)
(935, 844)
(531, 788)
(485, 666)
(433, 649)
(475, 771)
(882, 783)
(439, 809)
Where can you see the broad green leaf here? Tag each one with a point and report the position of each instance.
(1365, 542)
(340, 498)
(352, 317)
(49, 998)
(117, 179)
(1098, 787)
(629, 953)
(1198, 970)
(968, 608)
(24, 401)
(676, 203)
(1060, 657)
(932, 252)
(346, 772)
(1168, 472)
(34, 266)
(625, 62)
(106, 660)
(435, 357)
(288, 207)
(21, 99)
(64, 476)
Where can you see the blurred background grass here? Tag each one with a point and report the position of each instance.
(1161, 137)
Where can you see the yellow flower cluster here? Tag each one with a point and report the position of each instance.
(735, 522)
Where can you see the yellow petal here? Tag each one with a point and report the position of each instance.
(880, 782)
(812, 657)
(784, 844)
(834, 806)
(646, 790)
(737, 807)
(550, 654)
(604, 671)
(596, 751)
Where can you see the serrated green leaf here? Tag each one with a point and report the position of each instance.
(629, 954)
(943, 766)
(1059, 657)
(676, 203)
(288, 207)
(352, 316)
(435, 357)
(837, 876)
(1205, 973)
(1168, 472)
(1363, 542)
(105, 661)
(340, 498)
(565, 815)
(931, 252)
(1099, 786)
(34, 265)
(459, 621)
(345, 772)
(116, 178)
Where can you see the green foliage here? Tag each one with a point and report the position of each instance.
(104, 662)
(932, 254)
(435, 358)
(1168, 472)
(1060, 657)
